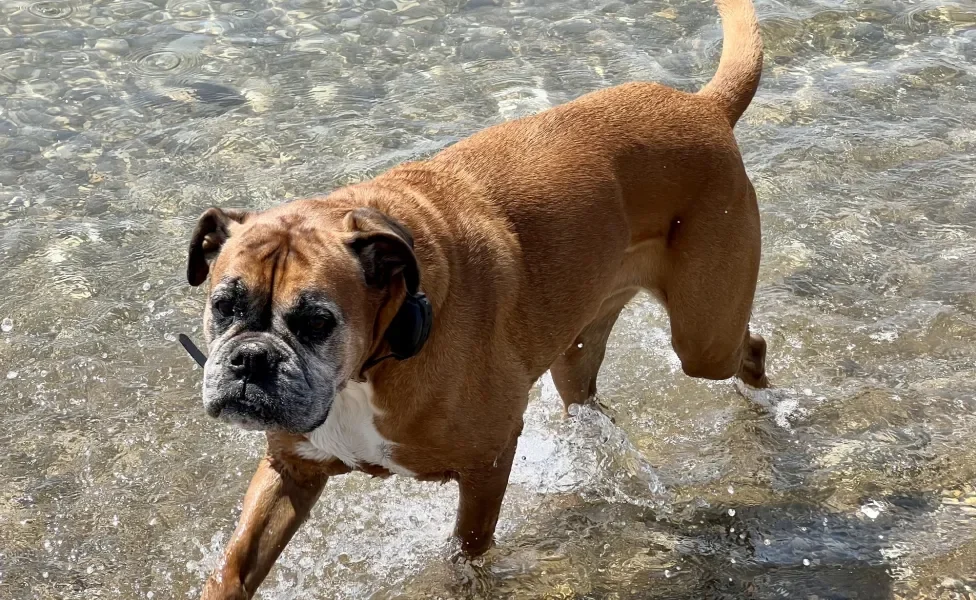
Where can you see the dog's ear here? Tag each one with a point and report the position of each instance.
(212, 230)
(384, 247)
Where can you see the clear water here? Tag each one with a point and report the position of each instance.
(120, 121)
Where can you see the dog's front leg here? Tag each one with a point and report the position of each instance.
(480, 500)
(281, 494)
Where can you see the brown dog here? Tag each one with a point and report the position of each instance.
(528, 239)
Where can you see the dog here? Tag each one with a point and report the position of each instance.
(396, 326)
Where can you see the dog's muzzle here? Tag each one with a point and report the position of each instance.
(243, 380)
(256, 381)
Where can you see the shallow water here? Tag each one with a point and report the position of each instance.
(120, 121)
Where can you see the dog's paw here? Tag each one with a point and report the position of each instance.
(787, 406)
(599, 404)
(219, 588)
(473, 574)
(595, 403)
(766, 397)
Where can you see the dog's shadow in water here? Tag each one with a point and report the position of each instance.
(699, 557)
(793, 546)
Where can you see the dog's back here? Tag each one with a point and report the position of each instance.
(618, 175)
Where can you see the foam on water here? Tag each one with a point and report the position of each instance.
(584, 454)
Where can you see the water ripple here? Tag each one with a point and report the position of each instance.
(52, 9)
(154, 62)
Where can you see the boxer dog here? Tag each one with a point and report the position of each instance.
(396, 326)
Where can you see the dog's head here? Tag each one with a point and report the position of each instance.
(299, 298)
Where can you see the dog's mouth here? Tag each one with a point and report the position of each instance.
(239, 403)
(249, 405)
(243, 421)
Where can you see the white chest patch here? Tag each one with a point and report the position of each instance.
(349, 432)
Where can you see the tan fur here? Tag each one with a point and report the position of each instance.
(737, 78)
(531, 236)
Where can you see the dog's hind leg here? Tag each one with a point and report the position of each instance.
(709, 287)
(576, 369)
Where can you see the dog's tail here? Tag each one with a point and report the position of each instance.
(740, 67)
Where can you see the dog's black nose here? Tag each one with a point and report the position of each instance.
(251, 360)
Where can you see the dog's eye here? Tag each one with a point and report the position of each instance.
(317, 326)
(224, 307)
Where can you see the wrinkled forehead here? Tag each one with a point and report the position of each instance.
(286, 261)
